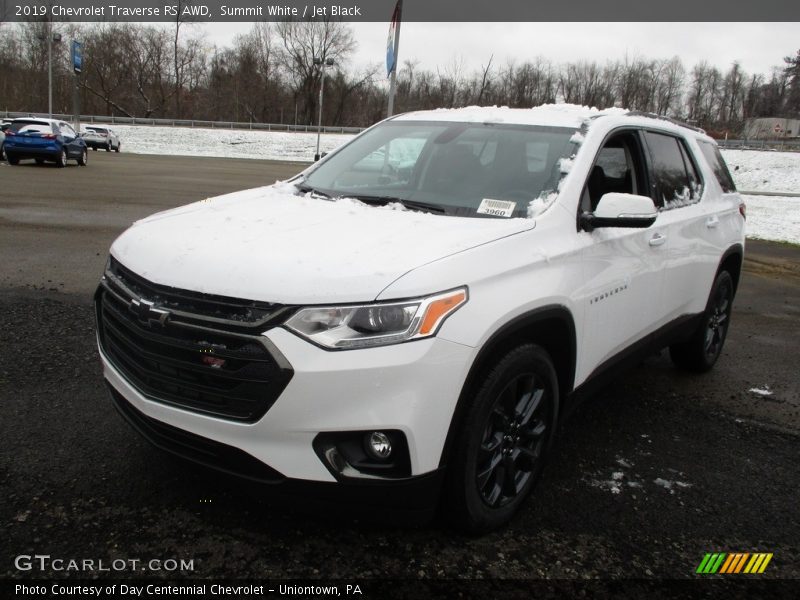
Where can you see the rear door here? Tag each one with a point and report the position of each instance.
(71, 140)
(688, 210)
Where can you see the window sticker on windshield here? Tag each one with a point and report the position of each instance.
(498, 208)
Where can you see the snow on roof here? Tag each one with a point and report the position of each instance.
(555, 115)
(35, 120)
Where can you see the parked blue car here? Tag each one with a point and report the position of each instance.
(44, 140)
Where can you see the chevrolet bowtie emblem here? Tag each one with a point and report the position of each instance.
(147, 314)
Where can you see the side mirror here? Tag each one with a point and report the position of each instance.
(621, 210)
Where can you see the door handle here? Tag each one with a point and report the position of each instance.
(657, 240)
(712, 222)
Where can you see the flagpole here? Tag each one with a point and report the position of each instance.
(393, 79)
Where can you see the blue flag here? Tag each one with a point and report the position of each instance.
(391, 58)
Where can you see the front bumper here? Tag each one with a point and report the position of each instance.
(411, 387)
(414, 496)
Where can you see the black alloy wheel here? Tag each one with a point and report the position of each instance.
(504, 441)
(513, 441)
(704, 348)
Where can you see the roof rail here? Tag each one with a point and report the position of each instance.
(650, 115)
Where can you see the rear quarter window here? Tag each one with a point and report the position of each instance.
(714, 159)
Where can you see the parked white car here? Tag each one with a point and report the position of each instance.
(417, 333)
(101, 136)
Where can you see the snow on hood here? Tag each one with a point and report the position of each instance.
(270, 245)
(555, 115)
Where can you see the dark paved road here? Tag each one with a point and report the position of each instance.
(651, 473)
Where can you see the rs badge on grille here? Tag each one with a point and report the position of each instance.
(147, 313)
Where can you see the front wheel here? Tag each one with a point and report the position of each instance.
(118, 147)
(84, 158)
(12, 160)
(702, 350)
(503, 441)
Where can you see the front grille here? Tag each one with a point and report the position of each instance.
(186, 359)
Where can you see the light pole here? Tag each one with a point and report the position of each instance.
(51, 37)
(322, 62)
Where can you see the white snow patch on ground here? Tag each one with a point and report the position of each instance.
(611, 485)
(764, 171)
(225, 143)
(775, 218)
(765, 391)
(671, 485)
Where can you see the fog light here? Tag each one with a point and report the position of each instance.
(378, 445)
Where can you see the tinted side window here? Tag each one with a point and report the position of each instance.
(691, 171)
(674, 183)
(617, 168)
(717, 164)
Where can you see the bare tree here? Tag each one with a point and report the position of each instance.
(302, 42)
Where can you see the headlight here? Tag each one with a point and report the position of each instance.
(378, 324)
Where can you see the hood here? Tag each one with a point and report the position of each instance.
(267, 244)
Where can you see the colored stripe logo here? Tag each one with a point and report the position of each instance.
(728, 563)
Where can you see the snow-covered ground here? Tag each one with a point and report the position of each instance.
(227, 143)
(764, 171)
(768, 217)
(775, 218)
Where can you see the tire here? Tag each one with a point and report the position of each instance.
(39, 161)
(108, 147)
(61, 161)
(83, 160)
(701, 351)
(94, 148)
(12, 160)
(118, 147)
(507, 430)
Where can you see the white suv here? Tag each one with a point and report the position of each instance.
(410, 317)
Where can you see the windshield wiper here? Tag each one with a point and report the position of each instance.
(307, 189)
(412, 204)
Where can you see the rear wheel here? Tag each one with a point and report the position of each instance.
(84, 158)
(12, 160)
(61, 160)
(703, 349)
(503, 440)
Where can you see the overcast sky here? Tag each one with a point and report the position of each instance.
(757, 46)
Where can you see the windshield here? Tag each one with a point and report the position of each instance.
(464, 169)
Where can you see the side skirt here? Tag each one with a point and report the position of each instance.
(678, 330)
